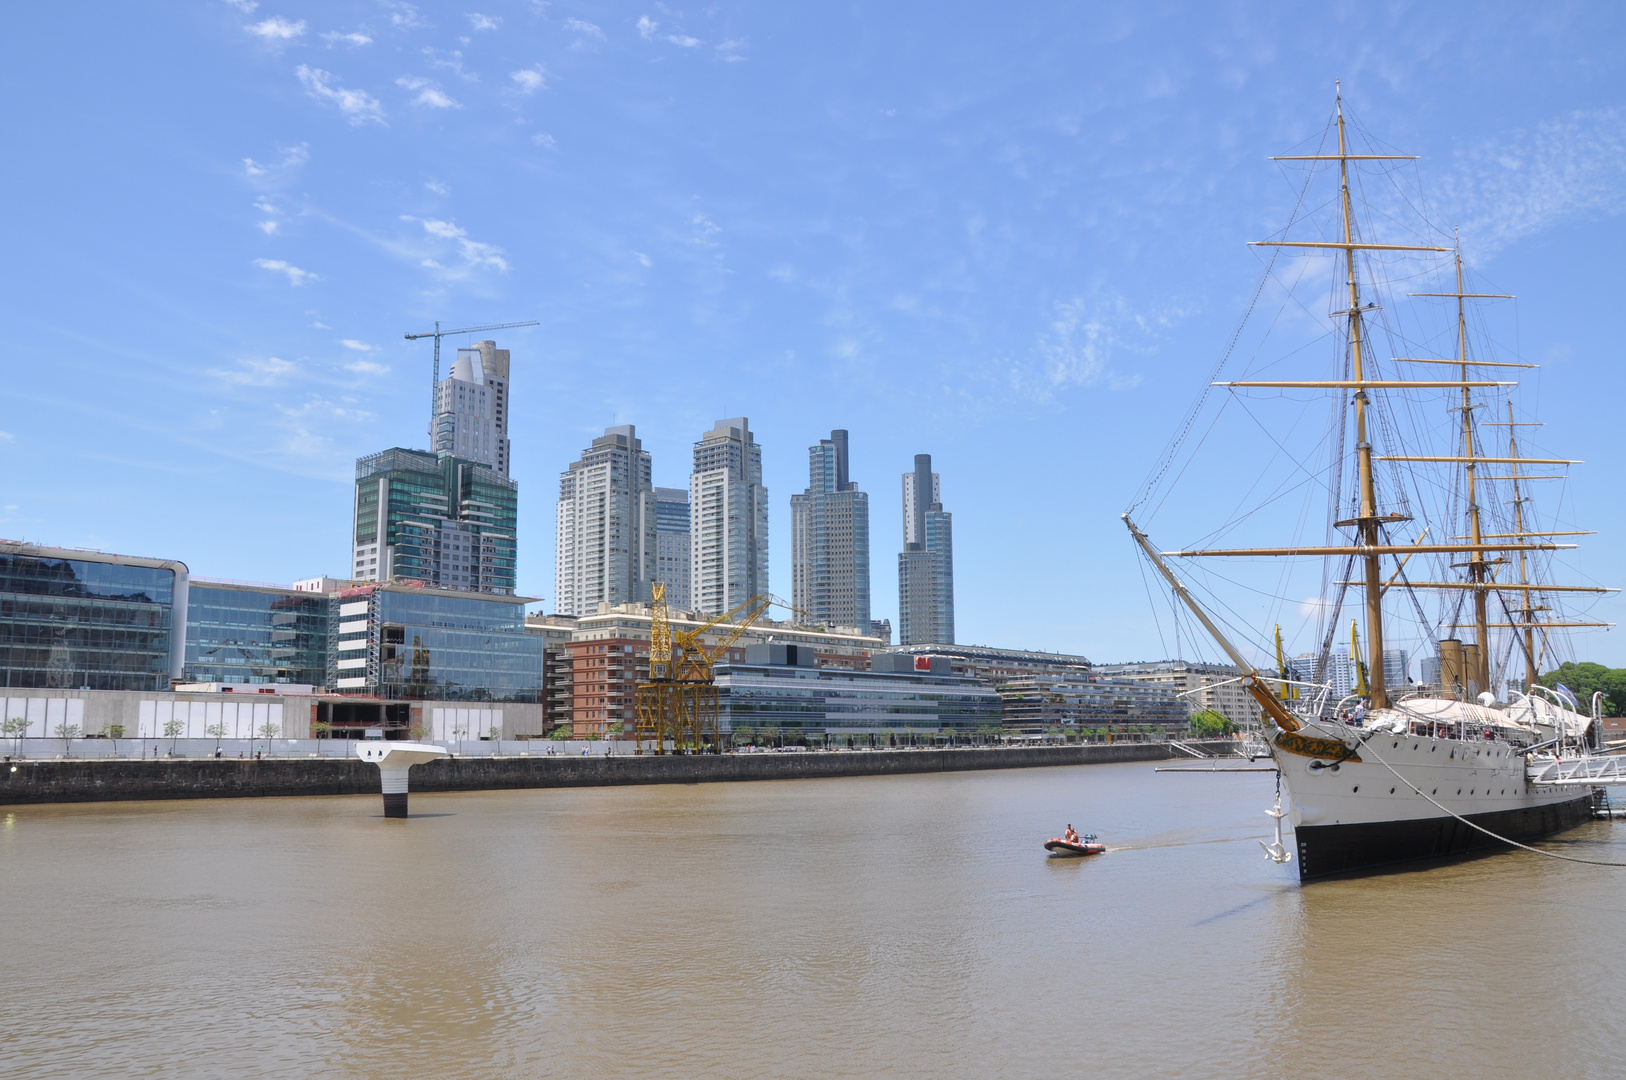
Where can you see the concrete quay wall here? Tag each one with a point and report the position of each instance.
(211, 778)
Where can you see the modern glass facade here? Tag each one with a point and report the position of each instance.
(835, 701)
(244, 634)
(78, 621)
(432, 644)
(441, 521)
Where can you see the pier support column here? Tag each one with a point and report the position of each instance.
(394, 761)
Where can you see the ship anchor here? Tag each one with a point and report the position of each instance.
(1274, 851)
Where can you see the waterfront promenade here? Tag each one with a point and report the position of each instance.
(207, 777)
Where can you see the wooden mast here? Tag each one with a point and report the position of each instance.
(1525, 609)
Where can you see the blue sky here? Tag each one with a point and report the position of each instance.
(1012, 236)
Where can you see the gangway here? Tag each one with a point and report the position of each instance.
(1591, 770)
(1184, 749)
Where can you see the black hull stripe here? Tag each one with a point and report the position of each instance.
(1342, 849)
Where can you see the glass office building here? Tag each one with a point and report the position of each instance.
(255, 634)
(778, 687)
(396, 641)
(85, 620)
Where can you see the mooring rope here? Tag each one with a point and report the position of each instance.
(1367, 746)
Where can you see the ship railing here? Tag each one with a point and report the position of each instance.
(1589, 770)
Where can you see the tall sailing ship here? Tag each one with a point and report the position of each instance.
(1392, 770)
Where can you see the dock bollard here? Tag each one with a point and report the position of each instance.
(394, 759)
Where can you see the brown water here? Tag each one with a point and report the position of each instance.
(902, 926)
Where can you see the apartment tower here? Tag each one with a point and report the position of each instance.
(471, 407)
(672, 554)
(728, 509)
(926, 564)
(606, 526)
(830, 541)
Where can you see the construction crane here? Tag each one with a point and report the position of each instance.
(680, 700)
(437, 333)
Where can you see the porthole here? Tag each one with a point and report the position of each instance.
(1436, 791)
(1397, 745)
(1391, 791)
(1470, 791)
(1357, 787)
(1432, 749)
(1459, 791)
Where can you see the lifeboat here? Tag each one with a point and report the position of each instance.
(1063, 849)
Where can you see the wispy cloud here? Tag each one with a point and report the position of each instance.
(6, 436)
(277, 28)
(544, 140)
(271, 222)
(684, 40)
(1501, 190)
(583, 29)
(729, 51)
(271, 371)
(357, 106)
(531, 79)
(647, 27)
(359, 346)
(245, 6)
(484, 22)
(355, 38)
(643, 260)
(262, 172)
(474, 253)
(449, 60)
(429, 95)
(1077, 348)
(367, 367)
(296, 276)
(437, 187)
(403, 16)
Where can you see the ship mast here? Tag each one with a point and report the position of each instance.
(1369, 544)
(1526, 611)
(1367, 521)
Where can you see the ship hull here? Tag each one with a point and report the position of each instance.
(1325, 850)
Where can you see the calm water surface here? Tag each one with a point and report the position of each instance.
(904, 926)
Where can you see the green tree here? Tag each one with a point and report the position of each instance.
(560, 733)
(172, 731)
(324, 729)
(1585, 679)
(1209, 724)
(67, 732)
(216, 732)
(15, 727)
(115, 732)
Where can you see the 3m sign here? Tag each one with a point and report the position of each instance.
(923, 663)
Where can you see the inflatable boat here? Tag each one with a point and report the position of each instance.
(1062, 849)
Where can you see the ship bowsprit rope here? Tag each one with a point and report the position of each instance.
(1366, 745)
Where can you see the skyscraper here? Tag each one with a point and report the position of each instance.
(434, 519)
(606, 525)
(728, 509)
(830, 541)
(926, 564)
(672, 545)
(471, 407)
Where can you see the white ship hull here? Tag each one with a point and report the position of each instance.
(1351, 815)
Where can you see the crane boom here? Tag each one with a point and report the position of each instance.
(437, 333)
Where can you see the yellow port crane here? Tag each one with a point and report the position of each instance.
(679, 703)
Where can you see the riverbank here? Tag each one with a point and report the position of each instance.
(103, 780)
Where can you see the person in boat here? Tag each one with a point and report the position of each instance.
(1070, 836)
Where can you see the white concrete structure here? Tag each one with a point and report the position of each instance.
(606, 525)
(728, 514)
(394, 761)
